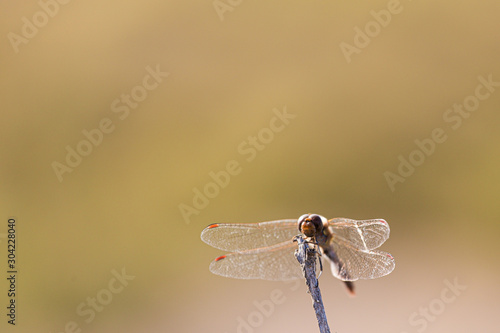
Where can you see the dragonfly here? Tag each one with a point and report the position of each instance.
(266, 250)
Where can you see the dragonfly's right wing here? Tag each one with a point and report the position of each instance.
(276, 263)
(246, 236)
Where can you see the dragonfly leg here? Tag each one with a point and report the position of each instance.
(316, 249)
(320, 260)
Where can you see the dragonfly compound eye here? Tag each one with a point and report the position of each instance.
(310, 224)
(317, 220)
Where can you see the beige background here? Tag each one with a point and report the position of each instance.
(119, 208)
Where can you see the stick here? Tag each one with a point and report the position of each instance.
(307, 259)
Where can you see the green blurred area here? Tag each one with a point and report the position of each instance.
(120, 207)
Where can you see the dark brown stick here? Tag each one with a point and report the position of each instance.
(307, 258)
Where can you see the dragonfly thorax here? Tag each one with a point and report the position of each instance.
(311, 224)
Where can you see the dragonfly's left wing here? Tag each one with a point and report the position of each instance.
(366, 235)
(275, 262)
(246, 236)
(349, 264)
(351, 249)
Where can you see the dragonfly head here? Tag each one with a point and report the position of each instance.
(311, 224)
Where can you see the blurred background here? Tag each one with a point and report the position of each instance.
(103, 153)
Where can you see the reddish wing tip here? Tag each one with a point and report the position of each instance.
(219, 258)
(215, 225)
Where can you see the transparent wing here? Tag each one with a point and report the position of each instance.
(241, 237)
(354, 264)
(366, 234)
(275, 262)
(351, 249)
